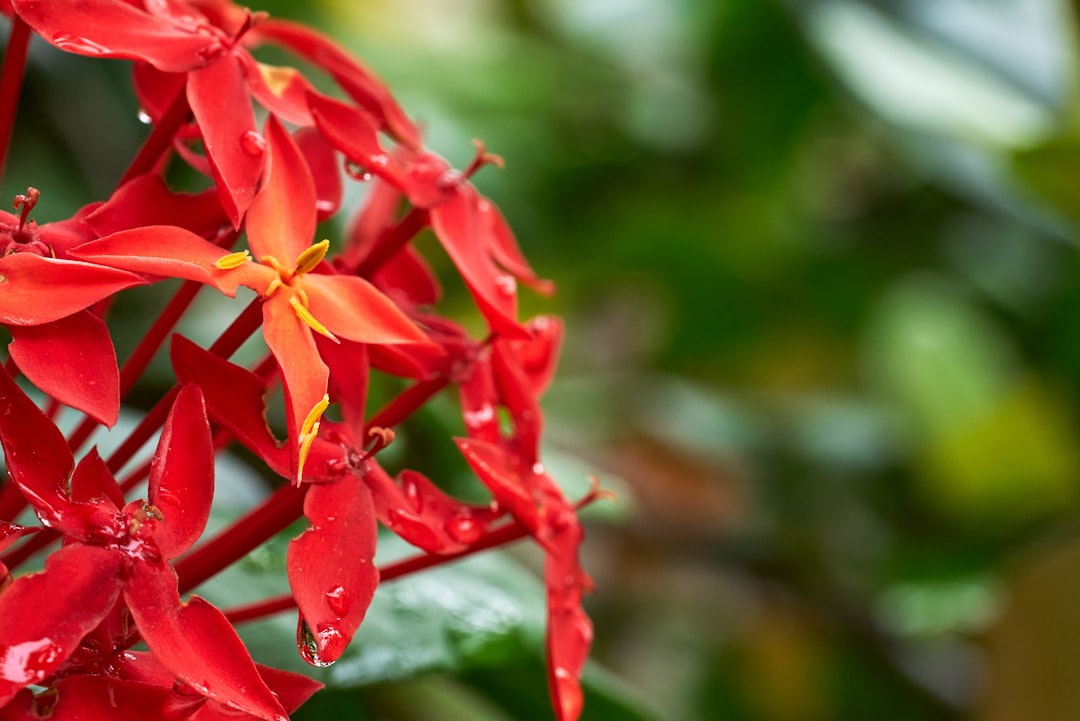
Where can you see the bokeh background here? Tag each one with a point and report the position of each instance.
(817, 263)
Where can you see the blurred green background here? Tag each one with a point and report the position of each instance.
(817, 261)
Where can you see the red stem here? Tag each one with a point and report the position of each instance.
(11, 79)
(254, 528)
(391, 241)
(234, 336)
(502, 535)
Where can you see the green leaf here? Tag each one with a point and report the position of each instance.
(481, 611)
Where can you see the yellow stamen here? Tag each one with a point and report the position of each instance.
(273, 263)
(232, 260)
(273, 287)
(305, 315)
(277, 78)
(310, 258)
(308, 432)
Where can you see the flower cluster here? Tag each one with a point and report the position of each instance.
(277, 153)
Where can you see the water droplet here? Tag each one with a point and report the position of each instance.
(357, 171)
(30, 661)
(538, 469)
(506, 285)
(479, 417)
(450, 179)
(325, 206)
(253, 143)
(463, 528)
(79, 45)
(336, 600)
(378, 161)
(319, 649)
(412, 529)
(561, 673)
(144, 117)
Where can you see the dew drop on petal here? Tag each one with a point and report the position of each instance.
(378, 161)
(252, 143)
(30, 661)
(506, 285)
(80, 45)
(450, 179)
(479, 417)
(309, 643)
(337, 601)
(357, 171)
(325, 206)
(463, 528)
(144, 117)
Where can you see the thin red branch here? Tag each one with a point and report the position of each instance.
(11, 78)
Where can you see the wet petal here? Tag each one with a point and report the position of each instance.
(92, 481)
(497, 470)
(219, 99)
(72, 360)
(331, 566)
(70, 287)
(282, 217)
(460, 228)
(280, 89)
(422, 514)
(325, 165)
(182, 474)
(100, 698)
(292, 689)
(348, 364)
(569, 632)
(197, 643)
(45, 615)
(117, 29)
(36, 455)
(505, 249)
(515, 390)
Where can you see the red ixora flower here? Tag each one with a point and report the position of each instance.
(118, 552)
(61, 347)
(300, 298)
(197, 48)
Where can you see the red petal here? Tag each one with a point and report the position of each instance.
(100, 698)
(539, 356)
(303, 373)
(495, 469)
(569, 632)
(72, 360)
(197, 643)
(356, 80)
(117, 29)
(218, 96)
(92, 481)
(515, 390)
(146, 200)
(70, 287)
(170, 252)
(505, 248)
(479, 401)
(325, 165)
(459, 226)
(424, 515)
(331, 567)
(348, 364)
(281, 90)
(11, 532)
(235, 399)
(156, 89)
(354, 309)
(282, 218)
(292, 689)
(182, 474)
(45, 615)
(37, 456)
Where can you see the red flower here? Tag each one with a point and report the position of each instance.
(63, 349)
(115, 551)
(298, 301)
(514, 375)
